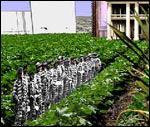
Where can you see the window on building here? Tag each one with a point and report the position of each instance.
(118, 8)
(145, 7)
(132, 7)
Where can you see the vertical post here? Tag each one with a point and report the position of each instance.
(24, 22)
(17, 22)
(31, 17)
(95, 16)
(109, 12)
(128, 33)
(136, 25)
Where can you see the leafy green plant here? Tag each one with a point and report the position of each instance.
(7, 108)
(18, 49)
(83, 101)
(141, 77)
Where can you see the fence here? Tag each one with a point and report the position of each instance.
(34, 93)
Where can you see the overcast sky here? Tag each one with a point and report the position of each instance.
(83, 8)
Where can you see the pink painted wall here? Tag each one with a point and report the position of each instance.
(103, 18)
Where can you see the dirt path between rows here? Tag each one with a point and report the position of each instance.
(120, 104)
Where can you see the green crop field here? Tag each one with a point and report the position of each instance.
(82, 102)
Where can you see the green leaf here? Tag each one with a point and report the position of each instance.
(146, 32)
(143, 86)
(109, 102)
(62, 110)
(103, 111)
(67, 114)
(131, 44)
(119, 88)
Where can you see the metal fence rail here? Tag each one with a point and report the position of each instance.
(34, 93)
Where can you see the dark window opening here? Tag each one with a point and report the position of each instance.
(145, 7)
(132, 7)
(118, 9)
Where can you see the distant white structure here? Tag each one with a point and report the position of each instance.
(44, 17)
(16, 22)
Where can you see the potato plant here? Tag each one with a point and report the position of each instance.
(18, 49)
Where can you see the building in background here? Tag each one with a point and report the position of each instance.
(99, 15)
(43, 17)
(119, 14)
(60, 17)
(53, 16)
(15, 20)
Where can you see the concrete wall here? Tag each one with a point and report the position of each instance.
(103, 13)
(53, 17)
(16, 22)
(102, 18)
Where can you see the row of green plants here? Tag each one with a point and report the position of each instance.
(76, 109)
(83, 102)
(18, 49)
(91, 98)
(137, 113)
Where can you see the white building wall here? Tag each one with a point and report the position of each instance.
(12, 22)
(28, 22)
(20, 22)
(56, 16)
(8, 23)
(53, 16)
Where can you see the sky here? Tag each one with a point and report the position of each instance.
(14, 5)
(83, 8)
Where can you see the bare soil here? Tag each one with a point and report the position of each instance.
(119, 105)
